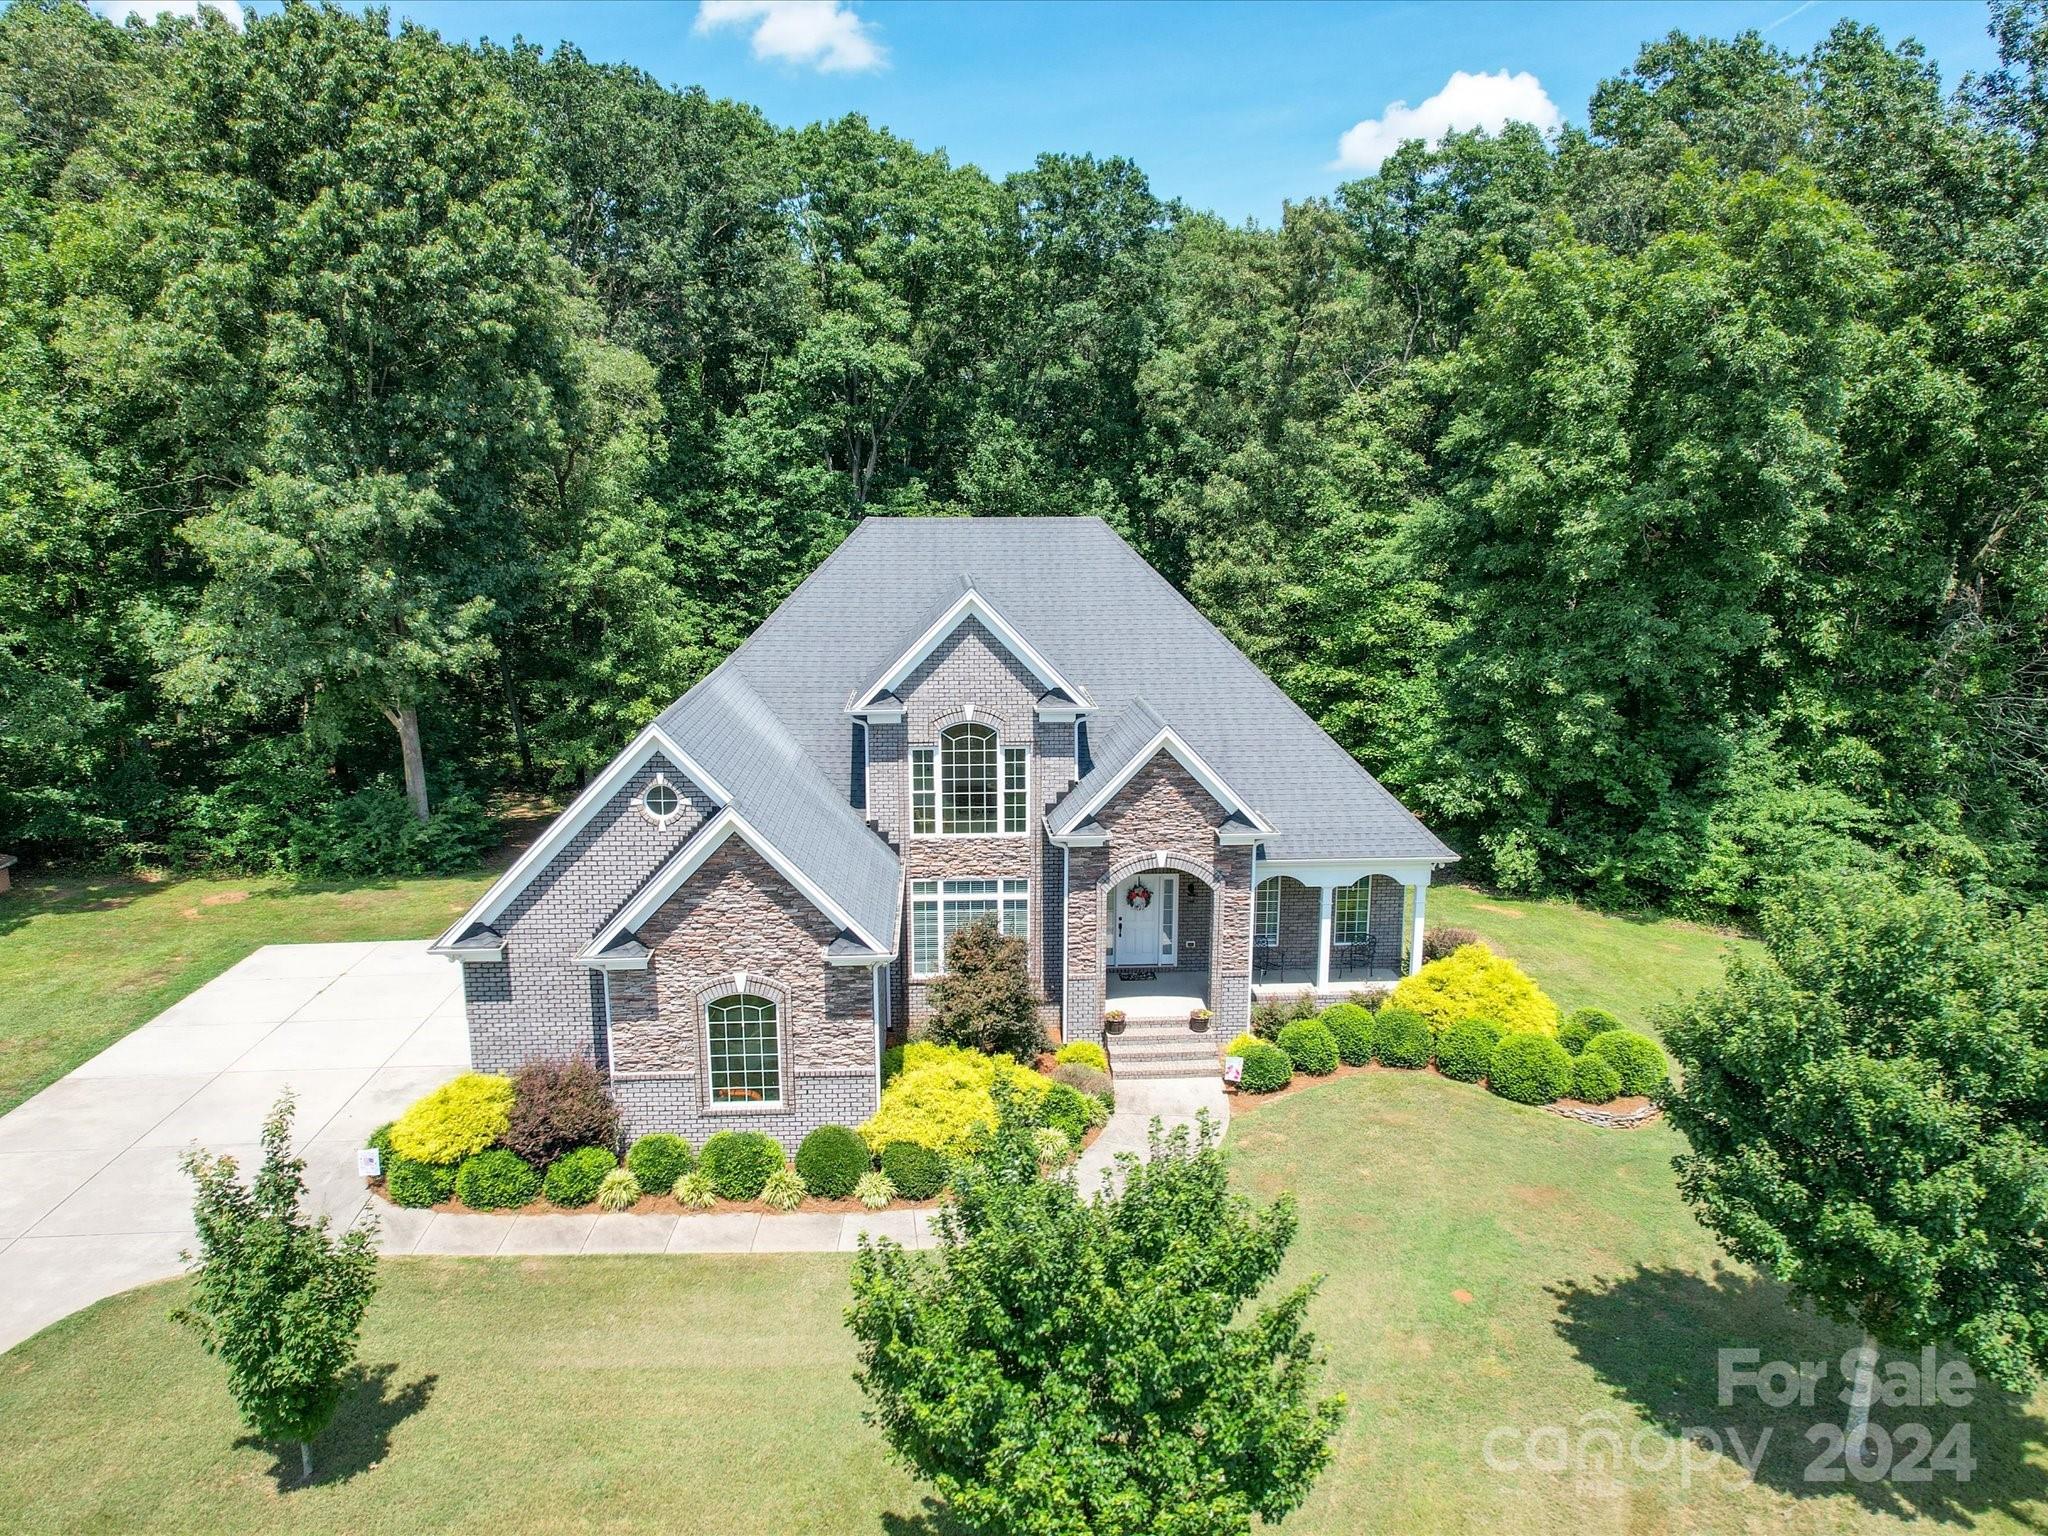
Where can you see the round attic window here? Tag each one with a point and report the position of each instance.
(660, 801)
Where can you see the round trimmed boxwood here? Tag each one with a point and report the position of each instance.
(1637, 1059)
(831, 1161)
(417, 1184)
(917, 1172)
(1594, 1081)
(1309, 1047)
(495, 1179)
(738, 1162)
(1351, 1027)
(1530, 1068)
(1266, 1068)
(1582, 1025)
(573, 1178)
(1084, 1053)
(658, 1159)
(1463, 1050)
(1401, 1038)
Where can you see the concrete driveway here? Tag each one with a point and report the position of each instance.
(91, 1197)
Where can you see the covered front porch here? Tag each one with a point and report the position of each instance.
(1143, 994)
(1329, 929)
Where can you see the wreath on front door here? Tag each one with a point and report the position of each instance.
(1139, 896)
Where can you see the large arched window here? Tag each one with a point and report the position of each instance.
(969, 784)
(742, 1053)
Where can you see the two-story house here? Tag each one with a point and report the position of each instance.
(1013, 718)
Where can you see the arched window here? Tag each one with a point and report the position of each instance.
(969, 785)
(742, 1053)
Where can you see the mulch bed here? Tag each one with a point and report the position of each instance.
(1623, 1114)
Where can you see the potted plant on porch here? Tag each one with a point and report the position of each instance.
(1199, 1018)
(1112, 1019)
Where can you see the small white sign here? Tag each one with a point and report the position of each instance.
(1233, 1068)
(370, 1163)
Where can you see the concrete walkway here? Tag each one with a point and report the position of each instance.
(92, 1200)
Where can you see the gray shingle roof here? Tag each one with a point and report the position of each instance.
(770, 722)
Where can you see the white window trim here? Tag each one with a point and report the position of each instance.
(734, 986)
(1260, 933)
(660, 780)
(936, 747)
(939, 897)
(1364, 887)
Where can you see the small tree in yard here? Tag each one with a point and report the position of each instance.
(278, 1298)
(985, 999)
(1865, 1108)
(1071, 1368)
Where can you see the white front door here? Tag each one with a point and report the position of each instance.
(1144, 921)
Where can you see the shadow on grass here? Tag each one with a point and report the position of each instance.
(931, 1519)
(359, 1436)
(1655, 1336)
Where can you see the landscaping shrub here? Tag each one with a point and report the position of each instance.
(1463, 1050)
(1266, 1068)
(693, 1192)
(657, 1160)
(1242, 1043)
(1583, 1024)
(457, 1120)
(831, 1161)
(738, 1163)
(1530, 1068)
(1085, 1053)
(1052, 1144)
(380, 1138)
(1274, 1015)
(1351, 1027)
(496, 1179)
(1439, 942)
(985, 999)
(945, 1098)
(917, 1172)
(1401, 1038)
(1473, 981)
(558, 1106)
(874, 1190)
(573, 1178)
(1087, 1080)
(1069, 1111)
(1594, 1081)
(785, 1189)
(1309, 1048)
(417, 1184)
(619, 1191)
(1637, 1059)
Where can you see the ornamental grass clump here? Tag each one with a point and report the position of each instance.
(457, 1120)
(784, 1190)
(618, 1191)
(874, 1190)
(693, 1192)
(1474, 981)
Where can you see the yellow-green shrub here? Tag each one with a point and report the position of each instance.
(945, 1096)
(1084, 1052)
(1474, 982)
(457, 1120)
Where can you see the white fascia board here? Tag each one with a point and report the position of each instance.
(1169, 740)
(865, 958)
(469, 954)
(1064, 714)
(971, 605)
(1349, 871)
(1241, 839)
(688, 859)
(596, 795)
(877, 714)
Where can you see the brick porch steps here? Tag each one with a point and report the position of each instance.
(1163, 1048)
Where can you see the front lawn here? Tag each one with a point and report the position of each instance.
(85, 959)
(1631, 966)
(1488, 1266)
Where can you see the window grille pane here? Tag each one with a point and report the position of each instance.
(1353, 914)
(922, 797)
(967, 798)
(1267, 914)
(744, 1066)
(1169, 899)
(924, 937)
(1016, 797)
(1016, 917)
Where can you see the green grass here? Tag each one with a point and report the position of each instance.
(1631, 966)
(83, 960)
(1487, 1266)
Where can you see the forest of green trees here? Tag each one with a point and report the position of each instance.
(1661, 509)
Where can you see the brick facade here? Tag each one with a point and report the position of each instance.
(1301, 920)
(1162, 819)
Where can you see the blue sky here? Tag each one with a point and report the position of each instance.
(1231, 107)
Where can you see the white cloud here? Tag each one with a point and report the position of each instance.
(822, 33)
(118, 11)
(1466, 101)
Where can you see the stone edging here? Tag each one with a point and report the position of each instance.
(1586, 1114)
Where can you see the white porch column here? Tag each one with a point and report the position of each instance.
(1325, 926)
(1415, 929)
